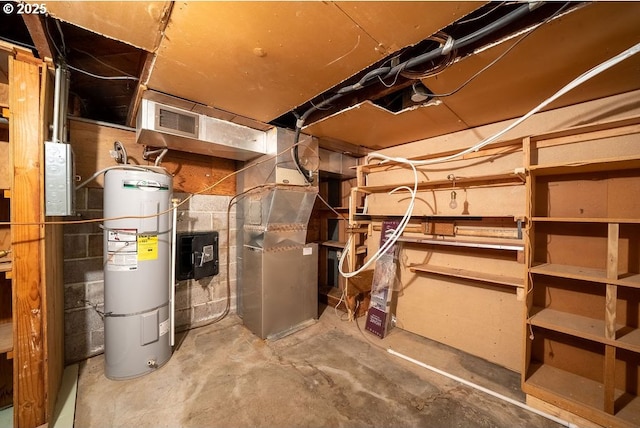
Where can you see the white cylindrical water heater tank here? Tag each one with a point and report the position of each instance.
(137, 270)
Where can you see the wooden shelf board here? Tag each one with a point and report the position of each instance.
(631, 411)
(579, 392)
(571, 272)
(516, 246)
(597, 165)
(585, 274)
(340, 246)
(6, 337)
(5, 266)
(587, 220)
(583, 327)
(332, 296)
(461, 182)
(335, 208)
(574, 387)
(564, 322)
(333, 244)
(471, 275)
(462, 218)
(630, 341)
(629, 280)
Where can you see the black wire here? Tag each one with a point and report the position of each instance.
(502, 55)
(308, 175)
(15, 42)
(53, 42)
(372, 76)
(64, 45)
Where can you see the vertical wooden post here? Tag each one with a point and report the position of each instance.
(30, 401)
(528, 254)
(353, 247)
(52, 249)
(611, 299)
(612, 273)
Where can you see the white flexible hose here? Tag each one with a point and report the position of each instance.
(397, 232)
(407, 216)
(568, 87)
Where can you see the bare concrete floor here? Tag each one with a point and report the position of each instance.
(329, 374)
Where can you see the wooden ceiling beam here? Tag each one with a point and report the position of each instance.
(145, 75)
(36, 28)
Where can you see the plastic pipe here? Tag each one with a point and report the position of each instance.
(485, 390)
(172, 282)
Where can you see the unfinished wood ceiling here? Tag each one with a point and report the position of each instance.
(541, 64)
(264, 60)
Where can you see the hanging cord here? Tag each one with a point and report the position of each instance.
(413, 163)
(109, 168)
(227, 307)
(388, 71)
(95, 307)
(395, 233)
(142, 168)
(526, 34)
(568, 87)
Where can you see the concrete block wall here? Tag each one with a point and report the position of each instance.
(197, 302)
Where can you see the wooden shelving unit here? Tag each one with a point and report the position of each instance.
(470, 275)
(582, 344)
(484, 180)
(333, 233)
(453, 253)
(508, 245)
(31, 282)
(6, 266)
(586, 274)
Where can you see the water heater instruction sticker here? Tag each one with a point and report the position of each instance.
(164, 327)
(147, 247)
(122, 250)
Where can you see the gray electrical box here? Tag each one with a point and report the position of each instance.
(59, 179)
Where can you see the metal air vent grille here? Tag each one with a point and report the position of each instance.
(177, 122)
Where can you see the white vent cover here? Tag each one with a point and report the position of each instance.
(171, 120)
(160, 125)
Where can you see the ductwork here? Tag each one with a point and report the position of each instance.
(337, 165)
(160, 125)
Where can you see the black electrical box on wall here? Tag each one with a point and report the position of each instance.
(196, 255)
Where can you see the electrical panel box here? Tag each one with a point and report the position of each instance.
(197, 255)
(59, 179)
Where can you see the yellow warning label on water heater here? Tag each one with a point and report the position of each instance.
(147, 247)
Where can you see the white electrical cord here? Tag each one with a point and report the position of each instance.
(407, 216)
(396, 233)
(571, 85)
(102, 171)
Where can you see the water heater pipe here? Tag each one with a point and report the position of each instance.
(485, 390)
(172, 275)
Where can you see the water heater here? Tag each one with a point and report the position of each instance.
(137, 270)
